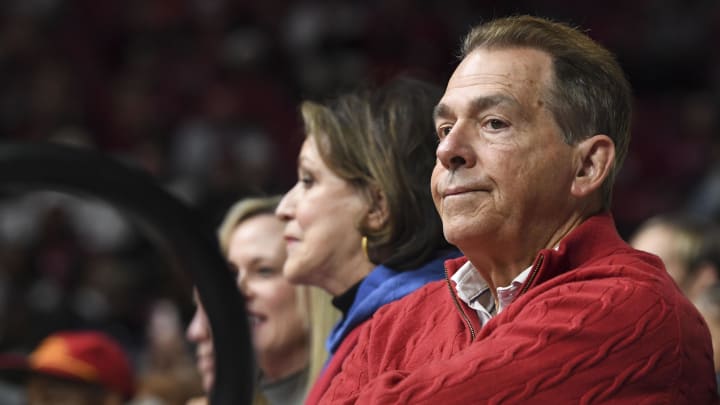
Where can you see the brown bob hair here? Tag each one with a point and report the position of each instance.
(383, 142)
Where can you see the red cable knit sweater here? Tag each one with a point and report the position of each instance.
(596, 322)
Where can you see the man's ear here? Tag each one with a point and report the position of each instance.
(595, 158)
(379, 211)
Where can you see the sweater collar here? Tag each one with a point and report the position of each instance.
(594, 237)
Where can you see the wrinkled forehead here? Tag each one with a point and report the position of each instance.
(518, 78)
(514, 69)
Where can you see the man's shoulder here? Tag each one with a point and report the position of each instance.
(621, 282)
(621, 269)
(628, 266)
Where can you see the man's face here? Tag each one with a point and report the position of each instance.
(503, 172)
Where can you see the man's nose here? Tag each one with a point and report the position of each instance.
(455, 149)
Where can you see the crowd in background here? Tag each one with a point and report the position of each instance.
(204, 95)
(201, 92)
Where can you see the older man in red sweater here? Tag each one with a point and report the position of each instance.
(549, 306)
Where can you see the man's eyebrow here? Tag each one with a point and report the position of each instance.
(485, 102)
(478, 104)
(441, 111)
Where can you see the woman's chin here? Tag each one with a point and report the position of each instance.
(294, 273)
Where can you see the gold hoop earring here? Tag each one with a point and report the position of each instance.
(364, 243)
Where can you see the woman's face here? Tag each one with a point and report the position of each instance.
(322, 213)
(199, 333)
(256, 251)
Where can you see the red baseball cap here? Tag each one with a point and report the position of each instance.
(86, 356)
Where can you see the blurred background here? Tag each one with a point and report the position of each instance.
(203, 94)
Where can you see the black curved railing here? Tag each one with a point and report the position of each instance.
(170, 222)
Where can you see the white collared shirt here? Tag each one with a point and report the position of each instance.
(474, 291)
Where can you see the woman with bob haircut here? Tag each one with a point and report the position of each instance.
(360, 221)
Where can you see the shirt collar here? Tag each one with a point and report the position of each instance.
(474, 291)
(507, 294)
(468, 282)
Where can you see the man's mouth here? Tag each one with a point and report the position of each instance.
(460, 190)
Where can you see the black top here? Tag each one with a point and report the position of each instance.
(344, 301)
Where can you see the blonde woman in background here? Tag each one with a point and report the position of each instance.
(279, 313)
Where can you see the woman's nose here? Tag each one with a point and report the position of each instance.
(198, 329)
(243, 285)
(286, 208)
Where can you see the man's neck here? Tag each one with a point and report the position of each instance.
(500, 266)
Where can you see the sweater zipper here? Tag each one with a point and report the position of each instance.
(532, 275)
(457, 305)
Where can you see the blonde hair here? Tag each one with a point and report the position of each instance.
(688, 234)
(242, 210)
(323, 317)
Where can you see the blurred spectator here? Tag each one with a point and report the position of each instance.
(133, 74)
(134, 77)
(707, 261)
(706, 199)
(708, 303)
(708, 300)
(80, 368)
(167, 373)
(279, 313)
(71, 262)
(676, 239)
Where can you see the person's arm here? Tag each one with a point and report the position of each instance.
(577, 343)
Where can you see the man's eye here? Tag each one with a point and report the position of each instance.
(444, 131)
(496, 124)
